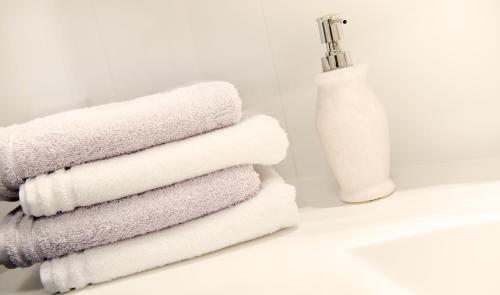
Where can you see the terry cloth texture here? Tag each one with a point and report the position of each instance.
(257, 139)
(85, 135)
(29, 240)
(272, 209)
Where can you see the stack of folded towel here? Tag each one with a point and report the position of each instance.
(117, 189)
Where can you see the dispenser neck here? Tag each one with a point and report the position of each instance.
(330, 29)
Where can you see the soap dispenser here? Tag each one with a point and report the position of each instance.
(351, 122)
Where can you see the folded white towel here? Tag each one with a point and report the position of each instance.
(257, 139)
(272, 209)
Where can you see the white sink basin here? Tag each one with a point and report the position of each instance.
(462, 260)
(438, 240)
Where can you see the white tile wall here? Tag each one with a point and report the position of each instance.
(147, 45)
(434, 63)
(232, 44)
(36, 73)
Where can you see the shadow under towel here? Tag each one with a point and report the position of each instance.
(28, 240)
(85, 135)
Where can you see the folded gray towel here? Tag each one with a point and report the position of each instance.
(79, 136)
(28, 240)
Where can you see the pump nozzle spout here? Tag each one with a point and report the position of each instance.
(330, 29)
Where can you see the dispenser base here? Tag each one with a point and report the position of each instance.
(371, 193)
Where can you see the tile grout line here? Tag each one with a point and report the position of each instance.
(280, 91)
(105, 53)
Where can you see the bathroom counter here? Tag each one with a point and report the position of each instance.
(381, 247)
(268, 265)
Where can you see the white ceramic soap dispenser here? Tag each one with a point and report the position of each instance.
(351, 122)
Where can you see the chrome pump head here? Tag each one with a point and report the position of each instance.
(330, 30)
